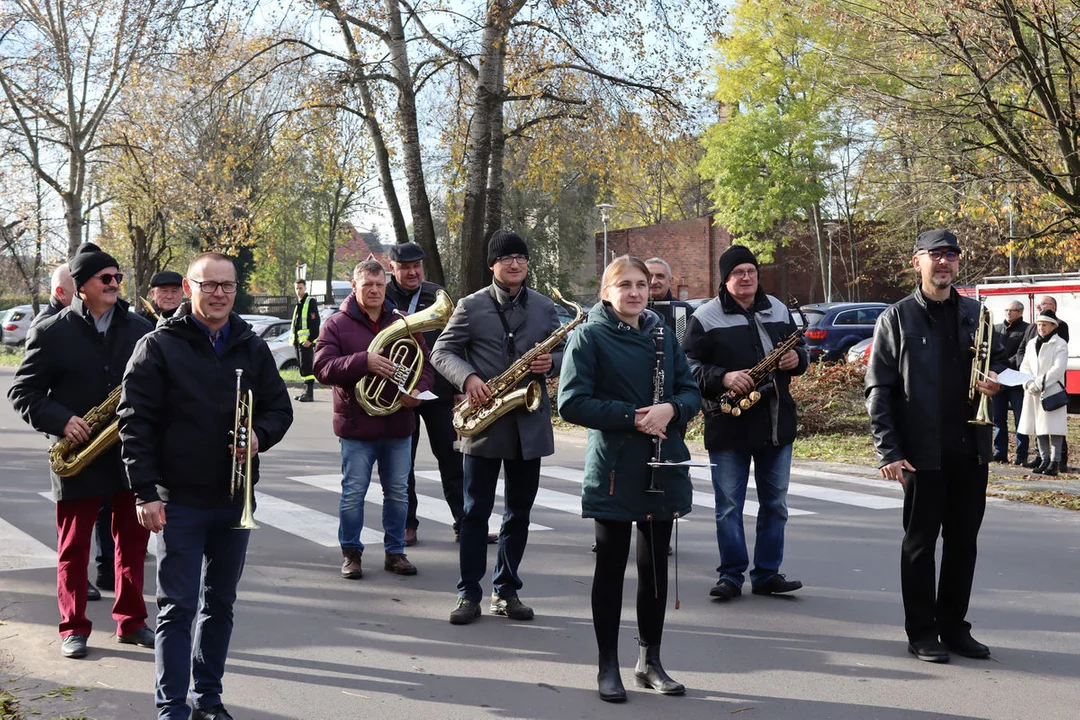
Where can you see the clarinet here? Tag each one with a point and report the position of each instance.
(658, 396)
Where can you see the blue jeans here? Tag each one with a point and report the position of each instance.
(200, 560)
(730, 476)
(1000, 404)
(358, 457)
(522, 482)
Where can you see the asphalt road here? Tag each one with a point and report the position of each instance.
(311, 645)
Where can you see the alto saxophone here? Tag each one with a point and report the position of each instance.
(68, 458)
(734, 403)
(470, 420)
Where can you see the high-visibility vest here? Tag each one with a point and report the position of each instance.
(301, 336)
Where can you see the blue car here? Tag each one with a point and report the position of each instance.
(832, 328)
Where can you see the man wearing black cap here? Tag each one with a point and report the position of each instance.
(727, 336)
(410, 293)
(166, 294)
(920, 417)
(490, 330)
(74, 359)
(305, 332)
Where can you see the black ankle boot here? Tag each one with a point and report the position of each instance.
(609, 680)
(650, 673)
(1034, 464)
(1041, 470)
(1051, 470)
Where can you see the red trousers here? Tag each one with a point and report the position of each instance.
(75, 528)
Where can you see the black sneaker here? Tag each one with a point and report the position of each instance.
(512, 608)
(465, 612)
(966, 646)
(725, 590)
(218, 712)
(143, 637)
(73, 646)
(776, 584)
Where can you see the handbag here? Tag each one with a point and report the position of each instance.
(1058, 400)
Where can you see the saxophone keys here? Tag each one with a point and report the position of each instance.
(735, 412)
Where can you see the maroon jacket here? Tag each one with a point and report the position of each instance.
(341, 361)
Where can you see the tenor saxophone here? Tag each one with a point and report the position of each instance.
(734, 403)
(68, 458)
(470, 420)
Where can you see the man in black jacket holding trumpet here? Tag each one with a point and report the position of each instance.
(917, 386)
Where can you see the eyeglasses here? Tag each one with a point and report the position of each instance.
(750, 273)
(210, 286)
(939, 255)
(107, 278)
(511, 259)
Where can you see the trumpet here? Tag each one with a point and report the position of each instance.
(379, 395)
(241, 464)
(980, 367)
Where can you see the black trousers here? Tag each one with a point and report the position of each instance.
(950, 501)
(305, 358)
(612, 551)
(438, 419)
(106, 547)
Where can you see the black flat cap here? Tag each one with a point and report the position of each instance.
(407, 252)
(937, 240)
(166, 277)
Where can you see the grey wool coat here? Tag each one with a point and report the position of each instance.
(474, 341)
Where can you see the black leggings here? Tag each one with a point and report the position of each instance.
(612, 550)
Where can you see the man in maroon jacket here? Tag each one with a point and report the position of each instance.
(342, 360)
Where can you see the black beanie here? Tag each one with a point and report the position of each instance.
(733, 257)
(505, 242)
(88, 261)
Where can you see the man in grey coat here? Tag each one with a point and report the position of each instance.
(490, 330)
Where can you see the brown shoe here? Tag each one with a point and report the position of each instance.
(350, 568)
(398, 563)
(410, 537)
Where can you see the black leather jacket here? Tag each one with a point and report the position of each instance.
(903, 383)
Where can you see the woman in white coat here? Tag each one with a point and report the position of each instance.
(1045, 359)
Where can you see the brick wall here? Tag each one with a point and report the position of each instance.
(693, 249)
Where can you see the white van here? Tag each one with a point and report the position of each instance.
(997, 292)
(341, 290)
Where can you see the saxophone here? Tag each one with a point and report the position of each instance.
(734, 403)
(66, 458)
(470, 420)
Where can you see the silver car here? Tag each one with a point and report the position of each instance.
(14, 322)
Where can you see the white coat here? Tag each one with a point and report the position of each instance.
(1047, 368)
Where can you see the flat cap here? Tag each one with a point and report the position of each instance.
(166, 277)
(937, 240)
(407, 252)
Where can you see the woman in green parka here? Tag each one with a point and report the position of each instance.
(606, 384)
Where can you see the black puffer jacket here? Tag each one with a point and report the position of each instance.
(723, 336)
(903, 382)
(69, 369)
(177, 410)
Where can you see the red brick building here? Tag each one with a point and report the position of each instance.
(693, 249)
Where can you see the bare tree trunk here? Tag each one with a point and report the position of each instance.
(815, 220)
(494, 201)
(474, 269)
(419, 202)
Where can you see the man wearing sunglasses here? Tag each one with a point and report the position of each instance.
(74, 359)
(917, 397)
(177, 414)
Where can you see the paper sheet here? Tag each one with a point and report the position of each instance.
(684, 463)
(1012, 378)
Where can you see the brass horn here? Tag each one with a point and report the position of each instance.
(980, 367)
(378, 395)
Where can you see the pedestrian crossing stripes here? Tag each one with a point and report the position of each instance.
(561, 493)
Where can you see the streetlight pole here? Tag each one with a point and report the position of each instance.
(604, 218)
(830, 228)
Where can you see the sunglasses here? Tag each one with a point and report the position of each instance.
(107, 278)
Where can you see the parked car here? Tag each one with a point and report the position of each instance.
(14, 322)
(832, 328)
(860, 351)
(282, 350)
